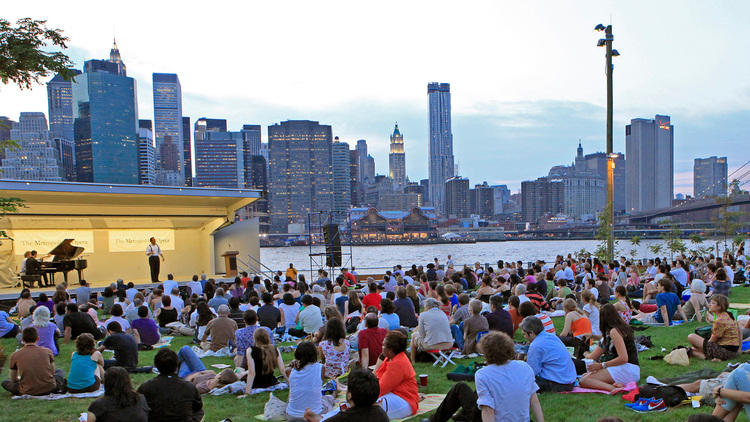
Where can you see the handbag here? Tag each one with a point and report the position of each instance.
(704, 331)
(274, 409)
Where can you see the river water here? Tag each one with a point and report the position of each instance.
(363, 257)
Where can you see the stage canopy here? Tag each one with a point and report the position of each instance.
(114, 223)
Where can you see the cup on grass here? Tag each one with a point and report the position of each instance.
(423, 380)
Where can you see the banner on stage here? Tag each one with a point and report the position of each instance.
(44, 241)
(137, 240)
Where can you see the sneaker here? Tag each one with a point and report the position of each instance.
(643, 406)
(656, 406)
(638, 403)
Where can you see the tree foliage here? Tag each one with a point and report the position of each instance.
(23, 59)
(728, 220)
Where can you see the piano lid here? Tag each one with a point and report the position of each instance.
(66, 251)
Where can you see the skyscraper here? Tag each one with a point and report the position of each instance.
(710, 177)
(168, 129)
(397, 159)
(341, 175)
(146, 153)
(649, 169)
(541, 196)
(354, 187)
(250, 147)
(105, 116)
(300, 179)
(441, 142)
(597, 162)
(483, 200)
(5, 125)
(60, 107)
(187, 151)
(457, 203)
(36, 157)
(219, 157)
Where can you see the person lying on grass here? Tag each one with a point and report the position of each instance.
(726, 336)
(619, 344)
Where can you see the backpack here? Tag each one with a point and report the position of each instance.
(672, 394)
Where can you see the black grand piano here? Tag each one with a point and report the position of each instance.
(65, 259)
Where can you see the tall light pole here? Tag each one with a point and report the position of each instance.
(607, 42)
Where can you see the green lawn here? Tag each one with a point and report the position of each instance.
(557, 407)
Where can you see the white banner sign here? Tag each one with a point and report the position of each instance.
(138, 240)
(44, 241)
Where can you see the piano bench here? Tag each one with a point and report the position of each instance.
(29, 280)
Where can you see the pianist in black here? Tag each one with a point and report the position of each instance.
(34, 267)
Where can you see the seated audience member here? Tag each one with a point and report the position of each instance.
(244, 337)
(462, 313)
(46, 330)
(725, 339)
(124, 346)
(86, 366)
(697, 301)
(262, 360)
(362, 393)
(108, 299)
(407, 315)
(166, 314)
(536, 298)
(310, 319)
(554, 370)
(221, 330)
(117, 313)
(218, 300)
(473, 325)
(370, 341)
(623, 305)
(387, 312)
(32, 369)
(289, 309)
(59, 316)
(618, 341)
(499, 319)
(305, 382)
(577, 329)
(195, 286)
(25, 303)
(235, 313)
(505, 388)
(334, 348)
(433, 330)
(734, 395)
(399, 395)
(169, 397)
(200, 318)
(528, 309)
(269, 316)
(591, 309)
(131, 314)
(722, 284)
(514, 304)
(667, 306)
(372, 298)
(76, 322)
(145, 329)
(120, 401)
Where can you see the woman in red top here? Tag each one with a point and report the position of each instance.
(399, 395)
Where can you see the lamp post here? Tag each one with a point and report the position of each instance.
(607, 42)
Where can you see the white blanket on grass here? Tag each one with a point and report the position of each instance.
(239, 388)
(225, 352)
(97, 393)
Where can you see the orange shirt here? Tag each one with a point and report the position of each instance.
(397, 376)
(515, 317)
(581, 326)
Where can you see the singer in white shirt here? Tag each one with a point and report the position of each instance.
(153, 251)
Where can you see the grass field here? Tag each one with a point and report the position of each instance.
(557, 407)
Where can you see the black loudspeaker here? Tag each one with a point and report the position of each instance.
(333, 245)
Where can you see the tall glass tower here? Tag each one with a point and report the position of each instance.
(441, 142)
(301, 173)
(168, 129)
(397, 159)
(105, 114)
(341, 165)
(649, 167)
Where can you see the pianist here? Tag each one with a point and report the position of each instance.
(34, 267)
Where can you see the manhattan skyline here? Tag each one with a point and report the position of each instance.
(521, 98)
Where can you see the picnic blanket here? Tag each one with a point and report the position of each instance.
(740, 305)
(578, 390)
(239, 388)
(225, 352)
(97, 393)
(165, 341)
(430, 403)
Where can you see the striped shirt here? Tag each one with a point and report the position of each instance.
(549, 326)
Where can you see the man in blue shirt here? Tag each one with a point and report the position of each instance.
(667, 303)
(547, 356)
(680, 274)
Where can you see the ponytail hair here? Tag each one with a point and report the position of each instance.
(624, 293)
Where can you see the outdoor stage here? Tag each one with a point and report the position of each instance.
(112, 223)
